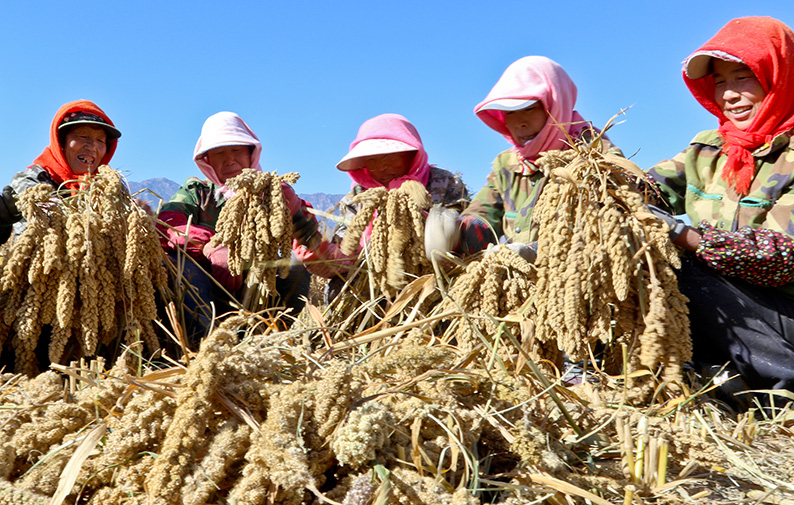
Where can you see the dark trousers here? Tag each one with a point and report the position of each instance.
(732, 320)
(203, 290)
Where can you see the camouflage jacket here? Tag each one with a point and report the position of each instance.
(507, 202)
(445, 188)
(199, 199)
(747, 236)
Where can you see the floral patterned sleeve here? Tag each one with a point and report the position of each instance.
(760, 256)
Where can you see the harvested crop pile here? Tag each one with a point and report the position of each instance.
(258, 418)
(605, 266)
(86, 266)
(256, 226)
(492, 287)
(395, 252)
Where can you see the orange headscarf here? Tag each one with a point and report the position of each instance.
(766, 46)
(52, 159)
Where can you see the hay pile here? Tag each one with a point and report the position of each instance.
(424, 395)
(259, 418)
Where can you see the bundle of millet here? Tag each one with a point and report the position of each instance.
(493, 286)
(395, 251)
(605, 265)
(87, 265)
(256, 226)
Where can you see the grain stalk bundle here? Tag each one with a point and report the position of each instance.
(256, 226)
(492, 287)
(257, 418)
(395, 251)
(87, 265)
(605, 265)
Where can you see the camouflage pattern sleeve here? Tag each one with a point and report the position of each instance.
(670, 179)
(487, 204)
(25, 179)
(447, 189)
(347, 211)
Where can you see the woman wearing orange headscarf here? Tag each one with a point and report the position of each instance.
(736, 184)
(82, 137)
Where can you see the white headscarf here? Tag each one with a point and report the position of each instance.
(220, 130)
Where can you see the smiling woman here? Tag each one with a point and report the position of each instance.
(82, 137)
(735, 185)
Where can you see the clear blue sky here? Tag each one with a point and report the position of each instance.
(306, 74)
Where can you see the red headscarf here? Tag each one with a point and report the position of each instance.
(766, 46)
(52, 159)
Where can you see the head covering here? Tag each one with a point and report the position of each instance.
(52, 159)
(82, 118)
(766, 46)
(392, 127)
(530, 79)
(221, 130)
(354, 160)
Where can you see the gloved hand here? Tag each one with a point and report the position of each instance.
(441, 231)
(304, 223)
(9, 214)
(218, 257)
(527, 251)
(676, 226)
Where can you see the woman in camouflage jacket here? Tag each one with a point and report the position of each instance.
(532, 106)
(736, 186)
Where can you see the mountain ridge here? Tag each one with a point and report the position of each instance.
(164, 188)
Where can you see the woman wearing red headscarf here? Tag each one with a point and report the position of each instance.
(82, 137)
(736, 185)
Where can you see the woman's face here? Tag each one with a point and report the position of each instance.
(229, 161)
(737, 91)
(525, 124)
(84, 147)
(384, 168)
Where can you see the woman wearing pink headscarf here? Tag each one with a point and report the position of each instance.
(532, 106)
(386, 152)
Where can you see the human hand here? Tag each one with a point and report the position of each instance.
(218, 257)
(675, 226)
(9, 214)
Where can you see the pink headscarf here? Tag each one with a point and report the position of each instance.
(536, 78)
(224, 129)
(393, 127)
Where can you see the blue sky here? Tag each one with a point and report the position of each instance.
(305, 75)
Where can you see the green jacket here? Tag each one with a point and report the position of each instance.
(692, 184)
(507, 202)
(745, 236)
(198, 199)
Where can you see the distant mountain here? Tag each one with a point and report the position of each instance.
(162, 187)
(323, 202)
(165, 189)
